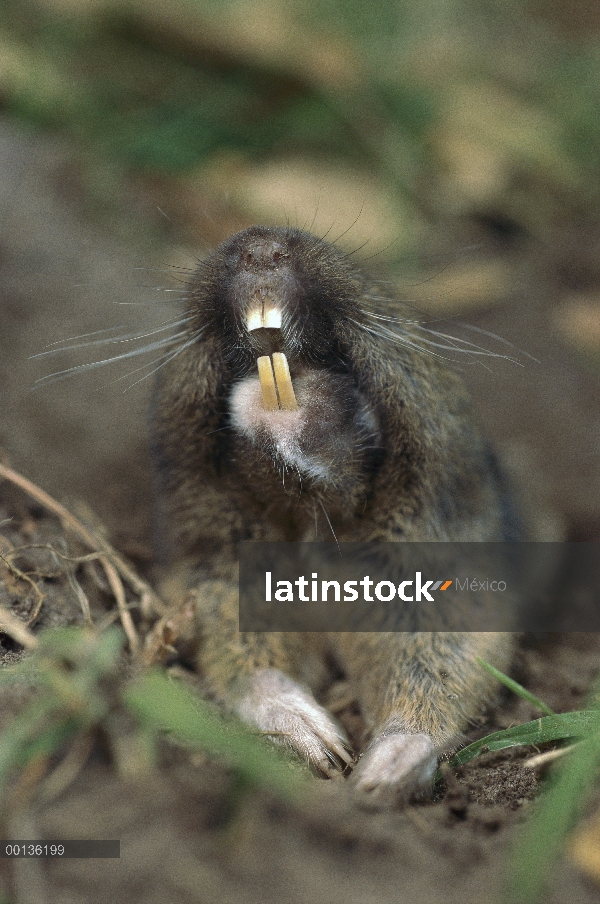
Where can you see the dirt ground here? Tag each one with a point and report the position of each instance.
(84, 439)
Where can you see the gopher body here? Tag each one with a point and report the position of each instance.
(381, 446)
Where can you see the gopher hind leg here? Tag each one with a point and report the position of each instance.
(418, 692)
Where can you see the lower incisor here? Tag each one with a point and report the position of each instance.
(287, 397)
(267, 383)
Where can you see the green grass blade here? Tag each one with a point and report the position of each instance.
(165, 705)
(517, 688)
(540, 843)
(559, 727)
(39, 730)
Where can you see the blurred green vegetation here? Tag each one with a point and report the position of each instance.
(79, 691)
(458, 107)
(541, 841)
(160, 101)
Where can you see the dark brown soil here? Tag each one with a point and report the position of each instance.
(181, 839)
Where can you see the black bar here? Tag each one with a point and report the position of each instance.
(57, 850)
(444, 586)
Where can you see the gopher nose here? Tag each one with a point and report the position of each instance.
(263, 254)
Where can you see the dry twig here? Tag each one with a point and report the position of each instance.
(541, 760)
(25, 577)
(111, 562)
(18, 630)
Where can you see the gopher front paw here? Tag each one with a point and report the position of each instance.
(395, 766)
(279, 707)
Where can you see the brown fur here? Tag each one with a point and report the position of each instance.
(404, 461)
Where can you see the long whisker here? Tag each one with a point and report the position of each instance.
(472, 349)
(92, 365)
(170, 358)
(136, 370)
(316, 211)
(384, 333)
(330, 527)
(152, 289)
(391, 319)
(455, 341)
(346, 231)
(478, 329)
(110, 329)
(451, 347)
(355, 250)
(153, 301)
(219, 429)
(132, 337)
(173, 269)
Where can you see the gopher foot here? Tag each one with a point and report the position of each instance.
(278, 706)
(395, 766)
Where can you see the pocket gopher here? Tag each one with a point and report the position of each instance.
(305, 403)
